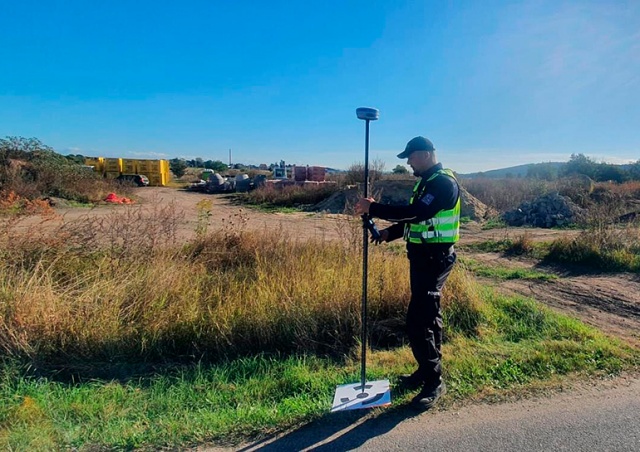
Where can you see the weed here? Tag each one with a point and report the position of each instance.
(523, 244)
(607, 248)
(494, 223)
(204, 207)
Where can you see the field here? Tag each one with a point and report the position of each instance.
(187, 318)
(616, 308)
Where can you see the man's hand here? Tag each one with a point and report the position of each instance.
(384, 235)
(363, 204)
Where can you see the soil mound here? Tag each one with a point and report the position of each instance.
(397, 193)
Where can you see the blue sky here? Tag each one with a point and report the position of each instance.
(492, 84)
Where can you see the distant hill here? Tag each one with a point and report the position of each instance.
(514, 171)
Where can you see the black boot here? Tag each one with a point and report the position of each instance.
(429, 395)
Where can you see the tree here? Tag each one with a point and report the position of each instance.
(178, 167)
(23, 149)
(216, 165)
(400, 169)
(607, 171)
(355, 173)
(581, 164)
(543, 171)
(634, 170)
(75, 158)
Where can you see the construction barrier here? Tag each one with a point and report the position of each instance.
(130, 166)
(158, 179)
(156, 170)
(97, 163)
(112, 165)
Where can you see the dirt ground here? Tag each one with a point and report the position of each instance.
(608, 301)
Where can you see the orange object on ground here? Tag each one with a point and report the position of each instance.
(112, 197)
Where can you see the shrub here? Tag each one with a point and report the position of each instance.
(523, 244)
(355, 173)
(506, 194)
(33, 170)
(606, 247)
(290, 195)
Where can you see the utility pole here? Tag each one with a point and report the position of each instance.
(229, 157)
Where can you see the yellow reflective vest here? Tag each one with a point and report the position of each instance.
(444, 227)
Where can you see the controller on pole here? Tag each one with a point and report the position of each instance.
(369, 224)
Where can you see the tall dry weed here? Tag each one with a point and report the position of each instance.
(95, 298)
(506, 194)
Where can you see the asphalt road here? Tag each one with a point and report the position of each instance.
(590, 418)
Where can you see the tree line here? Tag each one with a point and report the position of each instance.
(580, 164)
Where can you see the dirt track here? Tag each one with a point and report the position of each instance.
(609, 301)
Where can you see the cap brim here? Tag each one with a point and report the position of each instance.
(405, 154)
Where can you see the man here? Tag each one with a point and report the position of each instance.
(430, 225)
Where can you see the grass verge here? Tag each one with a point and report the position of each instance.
(519, 344)
(500, 272)
(607, 248)
(113, 335)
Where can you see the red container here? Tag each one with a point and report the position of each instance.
(299, 173)
(316, 173)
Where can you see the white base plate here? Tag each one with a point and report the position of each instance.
(352, 397)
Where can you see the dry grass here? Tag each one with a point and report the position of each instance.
(121, 290)
(506, 194)
(602, 246)
(291, 195)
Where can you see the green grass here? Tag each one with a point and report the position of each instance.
(606, 250)
(270, 208)
(518, 246)
(494, 223)
(73, 203)
(611, 248)
(499, 272)
(520, 344)
(238, 399)
(116, 337)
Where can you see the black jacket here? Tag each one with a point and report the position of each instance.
(438, 194)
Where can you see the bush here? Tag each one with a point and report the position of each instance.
(32, 170)
(604, 247)
(506, 194)
(290, 195)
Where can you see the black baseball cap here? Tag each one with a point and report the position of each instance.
(416, 144)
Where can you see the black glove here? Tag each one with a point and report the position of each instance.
(373, 229)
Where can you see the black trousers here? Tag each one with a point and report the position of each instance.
(428, 273)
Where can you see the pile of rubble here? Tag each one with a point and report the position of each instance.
(547, 211)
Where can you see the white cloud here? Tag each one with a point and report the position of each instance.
(149, 155)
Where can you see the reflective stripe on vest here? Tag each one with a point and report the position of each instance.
(444, 227)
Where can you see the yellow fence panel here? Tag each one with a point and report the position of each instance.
(129, 166)
(113, 165)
